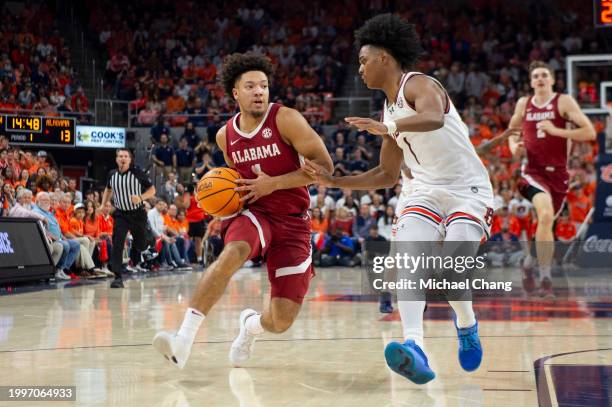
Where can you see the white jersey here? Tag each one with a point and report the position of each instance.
(443, 158)
(521, 208)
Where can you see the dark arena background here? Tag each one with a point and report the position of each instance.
(82, 80)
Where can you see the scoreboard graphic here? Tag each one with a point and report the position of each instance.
(39, 130)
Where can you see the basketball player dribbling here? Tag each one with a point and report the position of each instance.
(544, 119)
(449, 197)
(265, 143)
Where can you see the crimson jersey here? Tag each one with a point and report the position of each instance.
(265, 148)
(543, 150)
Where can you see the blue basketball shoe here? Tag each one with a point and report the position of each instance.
(470, 349)
(409, 360)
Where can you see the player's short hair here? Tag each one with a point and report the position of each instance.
(236, 64)
(540, 64)
(393, 34)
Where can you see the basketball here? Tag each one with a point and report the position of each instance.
(215, 192)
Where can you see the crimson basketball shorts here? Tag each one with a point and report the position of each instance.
(283, 241)
(553, 181)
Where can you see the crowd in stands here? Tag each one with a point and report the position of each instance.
(36, 72)
(167, 60)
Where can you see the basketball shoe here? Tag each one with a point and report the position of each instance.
(409, 360)
(546, 288)
(174, 348)
(242, 347)
(470, 348)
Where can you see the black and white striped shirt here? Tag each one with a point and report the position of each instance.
(132, 182)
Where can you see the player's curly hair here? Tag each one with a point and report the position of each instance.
(236, 64)
(393, 34)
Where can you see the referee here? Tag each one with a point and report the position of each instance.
(129, 187)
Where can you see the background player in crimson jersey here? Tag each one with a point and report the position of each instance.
(265, 143)
(544, 119)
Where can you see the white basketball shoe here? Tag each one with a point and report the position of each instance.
(242, 347)
(174, 348)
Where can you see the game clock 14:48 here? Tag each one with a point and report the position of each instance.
(38, 130)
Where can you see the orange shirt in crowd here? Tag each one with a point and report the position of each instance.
(172, 223)
(183, 227)
(105, 226)
(35, 166)
(579, 205)
(565, 230)
(77, 226)
(63, 218)
(92, 228)
(320, 226)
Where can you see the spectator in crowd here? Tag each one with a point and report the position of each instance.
(105, 233)
(343, 221)
(163, 155)
(347, 201)
(160, 128)
(184, 161)
(363, 222)
(71, 248)
(338, 250)
(170, 188)
(170, 256)
(322, 201)
(385, 222)
(190, 135)
(72, 188)
(23, 209)
(320, 221)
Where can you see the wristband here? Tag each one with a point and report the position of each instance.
(391, 127)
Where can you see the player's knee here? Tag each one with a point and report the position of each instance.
(546, 217)
(237, 251)
(281, 323)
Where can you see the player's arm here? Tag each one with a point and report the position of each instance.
(296, 131)
(221, 142)
(488, 145)
(516, 122)
(383, 175)
(569, 109)
(429, 102)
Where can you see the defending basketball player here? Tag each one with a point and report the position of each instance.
(264, 142)
(544, 119)
(450, 195)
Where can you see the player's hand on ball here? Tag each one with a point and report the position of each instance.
(369, 125)
(319, 174)
(546, 126)
(256, 188)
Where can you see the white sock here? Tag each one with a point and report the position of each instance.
(199, 259)
(464, 312)
(411, 313)
(253, 324)
(544, 272)
(191, 323)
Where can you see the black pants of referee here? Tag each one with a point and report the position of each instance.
(136, 222)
